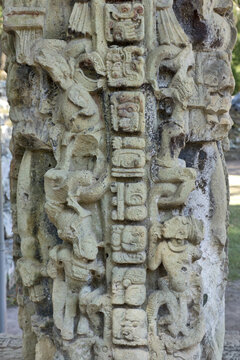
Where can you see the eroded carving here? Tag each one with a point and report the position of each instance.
(124, 22)
(119, 114)
(174, 244)
(130, 201)
(209, 107)
(70, 276)
(128, 244)
(128, 157)
(128, 286)
(125, 66)
(27, 21)
(128, 111)
(129, 327)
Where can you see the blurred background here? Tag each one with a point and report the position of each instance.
(232, 346)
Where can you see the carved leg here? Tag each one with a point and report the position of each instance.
(59, 296)
(69, 315)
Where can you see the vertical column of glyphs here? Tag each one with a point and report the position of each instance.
(124, 32)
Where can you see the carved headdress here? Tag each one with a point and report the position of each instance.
(170, 31)
(80, 20)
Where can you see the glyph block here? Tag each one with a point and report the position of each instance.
(129, 327)
(127, 111)
(125, 66)
(124, 22)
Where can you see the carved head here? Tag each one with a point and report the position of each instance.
(133, 325)
(129, 326)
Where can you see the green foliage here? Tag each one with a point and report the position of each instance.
(234, 243)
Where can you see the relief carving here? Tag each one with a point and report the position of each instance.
(127, 109)
(128, 244)
(70, 276)
(128, 286)
(172, 309)
(119, 112)
(129, 201)
(209, 108)
(80, 19)
(128, 157)
(125, 66)
(26, 20)
(124, 22)
(129, 327)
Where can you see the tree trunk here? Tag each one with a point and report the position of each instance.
(119, 185)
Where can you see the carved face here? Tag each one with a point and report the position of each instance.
(217, 74)
(129, 326)
(128, 111)
(132, 326)
(134, 238)
(124, 22)
(177, 258)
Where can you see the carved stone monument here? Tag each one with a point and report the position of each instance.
(119, 186)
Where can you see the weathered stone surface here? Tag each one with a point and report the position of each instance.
(119, 190)
(10, 347)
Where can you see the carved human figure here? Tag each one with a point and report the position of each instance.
(174, 244)
(79, 173)
(70, 277)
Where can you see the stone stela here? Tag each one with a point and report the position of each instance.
(120, 114)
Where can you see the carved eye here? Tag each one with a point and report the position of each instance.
(124, 9)
(130, 109)
(136, 198)
(139, 10)
(177, 245)
(135, 324)
(211, 79)
(126, 283)
(105, 349)
(118, 35)
(116, 58)
(133, 66)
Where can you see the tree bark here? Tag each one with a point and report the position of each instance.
(119, 185)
